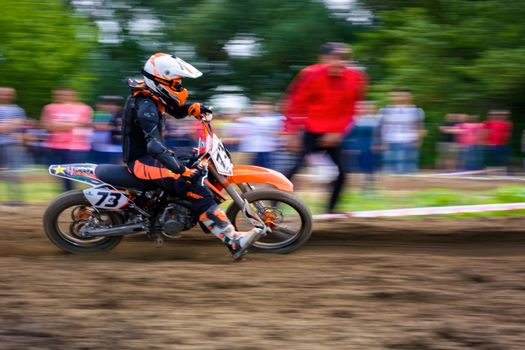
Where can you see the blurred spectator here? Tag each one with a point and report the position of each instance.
(471, 137)
(107, 122)
(523, 146)
(260, 136)
(365, 137)
(284, 159)
(320, 104)
(34, 140)
(116, 135)
(402, 130)
(12, 119)
(448, 147)
(228, 126)
(170, 133)
(499, 131)
(69, 125)
(230, 130)
(180, 135)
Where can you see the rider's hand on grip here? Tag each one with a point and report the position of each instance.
(200, 111)
(193, 175)
(206, 113)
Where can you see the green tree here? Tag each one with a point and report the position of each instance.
(44, 45)
(457, 56)
(288, 34)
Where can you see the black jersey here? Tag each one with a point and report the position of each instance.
(142, 130)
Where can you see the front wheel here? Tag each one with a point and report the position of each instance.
(67, 214)
(289, 218)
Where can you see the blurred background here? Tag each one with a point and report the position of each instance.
(363, 283)
(460, 61)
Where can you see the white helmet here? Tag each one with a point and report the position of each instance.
(163, 74)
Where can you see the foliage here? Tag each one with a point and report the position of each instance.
(457, 55)
(44, 45)
(289, 35)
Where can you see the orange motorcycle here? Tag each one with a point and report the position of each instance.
(118, 204)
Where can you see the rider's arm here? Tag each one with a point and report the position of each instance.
(195, 109)
(178, 112)
(149, 119)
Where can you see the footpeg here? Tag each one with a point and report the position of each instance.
(158, 242)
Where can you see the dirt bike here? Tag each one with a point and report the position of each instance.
(118, 204)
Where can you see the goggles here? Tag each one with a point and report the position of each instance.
(174, 84)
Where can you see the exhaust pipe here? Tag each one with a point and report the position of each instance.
(120, 230)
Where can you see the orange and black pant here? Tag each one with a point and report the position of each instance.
(150, 169)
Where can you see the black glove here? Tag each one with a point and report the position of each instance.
(205, 109)
(193, 175)
(198, 110)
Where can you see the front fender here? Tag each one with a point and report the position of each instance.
(256, 174)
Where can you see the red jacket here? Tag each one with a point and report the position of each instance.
(499, 132)
(320, 103)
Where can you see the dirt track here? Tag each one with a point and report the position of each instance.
(383, 284)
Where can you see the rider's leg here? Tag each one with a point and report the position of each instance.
(215, 219)
(218, 223)
(210, 214)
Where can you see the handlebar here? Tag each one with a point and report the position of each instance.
(206, 123)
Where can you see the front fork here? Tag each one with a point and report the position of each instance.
(246, 187)
(242, 203)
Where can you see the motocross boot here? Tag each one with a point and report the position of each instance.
(237, 242)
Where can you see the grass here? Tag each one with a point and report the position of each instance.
(42, 189)
(36, 187)
(434, 197)
(31, 192)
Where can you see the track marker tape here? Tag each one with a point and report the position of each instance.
(456, 209)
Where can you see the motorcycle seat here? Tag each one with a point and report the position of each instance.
(119, 176)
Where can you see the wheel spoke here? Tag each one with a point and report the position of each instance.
(283, 213)
(68, 224)
(280, 235)
(281, 232)
(286, 232)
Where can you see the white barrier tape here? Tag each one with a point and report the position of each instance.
(486, 178)
(323, 217)
(467, 172)
(463, 175)
(423, 211)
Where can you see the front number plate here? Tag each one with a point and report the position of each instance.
(220, 157)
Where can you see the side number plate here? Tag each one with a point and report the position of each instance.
(106, 199)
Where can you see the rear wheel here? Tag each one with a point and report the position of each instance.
(67, 214)
(289, 218)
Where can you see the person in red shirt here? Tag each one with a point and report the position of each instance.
(499, 131)
(320, 105)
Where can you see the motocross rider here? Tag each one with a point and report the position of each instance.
(149, 159)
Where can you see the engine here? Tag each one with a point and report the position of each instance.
(175, 219)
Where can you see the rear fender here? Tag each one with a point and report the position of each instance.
(84, 172)
(255, 174)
